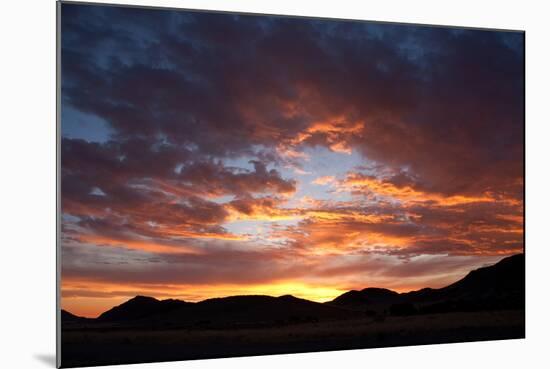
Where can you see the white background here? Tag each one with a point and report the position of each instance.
(27, 182)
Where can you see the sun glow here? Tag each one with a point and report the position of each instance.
(78, 300)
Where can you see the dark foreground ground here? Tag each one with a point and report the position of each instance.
(104, 346)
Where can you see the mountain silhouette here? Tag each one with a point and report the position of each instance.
(367, 298)
(265, 310)
(233, 311)
(496, 287)
(140, 307)
(487, 304)
(508, 275)
(68, 317)
(499, 286)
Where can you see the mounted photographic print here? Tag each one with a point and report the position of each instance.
(246, 184)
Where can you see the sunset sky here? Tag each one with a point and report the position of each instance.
(208, 155)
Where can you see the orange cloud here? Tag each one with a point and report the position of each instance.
(336, 130)
(140, 245)
(324, 180)
(406, 193)
(266, 209)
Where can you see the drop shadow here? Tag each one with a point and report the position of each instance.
(48, 359)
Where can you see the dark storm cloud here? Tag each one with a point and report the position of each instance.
(225, 83)
(114, 162)
(150, 189)
(217, 179)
